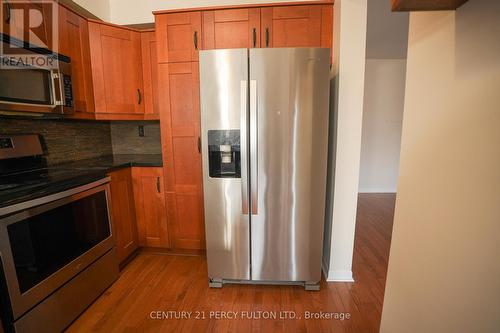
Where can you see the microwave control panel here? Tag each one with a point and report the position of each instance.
(68, 91)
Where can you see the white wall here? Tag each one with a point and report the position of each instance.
(348, 90)
(382, 122)
(386, 46)
(387, 31)
(100, 8)
(134, 11)
(444, 266)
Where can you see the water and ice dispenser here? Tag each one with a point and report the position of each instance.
(224, 154)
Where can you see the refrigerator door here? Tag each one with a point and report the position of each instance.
(289, 94)
(224, 122)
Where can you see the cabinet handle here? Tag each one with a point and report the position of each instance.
(139, 97)
(254, 32)
(267, 37)
(196, 40)
(199, 145)
(158, 187)
(7, 5)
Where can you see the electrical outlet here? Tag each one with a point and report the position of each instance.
(141, 130)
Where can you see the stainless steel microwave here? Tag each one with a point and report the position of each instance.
(42, 87)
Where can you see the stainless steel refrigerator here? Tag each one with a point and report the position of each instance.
(264, 121)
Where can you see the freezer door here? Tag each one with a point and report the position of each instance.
(289, 94)
(224, 122)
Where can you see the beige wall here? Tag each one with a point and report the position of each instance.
(100, 8)
(140, 11)
(136, 11)
(444, 267)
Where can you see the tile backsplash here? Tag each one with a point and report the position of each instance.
(64, 140)
(69, 140)
(126, 140)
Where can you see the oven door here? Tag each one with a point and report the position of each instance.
(44, 246)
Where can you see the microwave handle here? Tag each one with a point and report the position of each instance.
(57, 88)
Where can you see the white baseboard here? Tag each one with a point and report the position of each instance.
(377, 190)
(339, 276)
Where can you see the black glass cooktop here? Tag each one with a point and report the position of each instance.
(26, 185)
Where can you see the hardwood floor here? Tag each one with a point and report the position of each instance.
(159, 282)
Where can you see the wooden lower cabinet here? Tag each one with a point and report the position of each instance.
(123, 213)
(151, 213)
(138, 210)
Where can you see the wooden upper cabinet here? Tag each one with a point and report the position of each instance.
(116, 69)
(179, 36)
(74, 42)
(150, 207)
(16, 14)
(327, 29)
(231, 28)
(43, 32)
(5, 24)
(150, 75)
(292, 26)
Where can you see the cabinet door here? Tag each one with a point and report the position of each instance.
(291, 26)
(150, 206)
(180, 127)
(231, 28)
(74, 42)
(116, 69)
(14, 16)
(123, 213)
(178, 36)
(6, 17)
(327, 28)
(150, 74)
(41, 19)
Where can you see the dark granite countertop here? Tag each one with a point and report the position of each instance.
(38, 183)
(115, 162)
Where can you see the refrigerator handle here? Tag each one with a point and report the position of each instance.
(253, 147)
(244, 145)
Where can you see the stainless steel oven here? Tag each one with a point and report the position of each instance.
(57, 256)
(27, 85)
